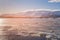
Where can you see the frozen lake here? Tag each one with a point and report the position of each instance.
(34, 25)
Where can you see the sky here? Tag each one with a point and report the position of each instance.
(16, 6)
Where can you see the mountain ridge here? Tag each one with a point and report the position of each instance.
(30, 14)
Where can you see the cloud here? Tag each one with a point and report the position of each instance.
(54, 1)
(40, 10)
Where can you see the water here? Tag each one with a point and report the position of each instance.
(27, 25)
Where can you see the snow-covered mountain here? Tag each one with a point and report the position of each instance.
(43, 13)
(34, 14)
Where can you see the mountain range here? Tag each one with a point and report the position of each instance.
(43, 14)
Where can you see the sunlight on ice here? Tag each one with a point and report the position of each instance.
(1, 22)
